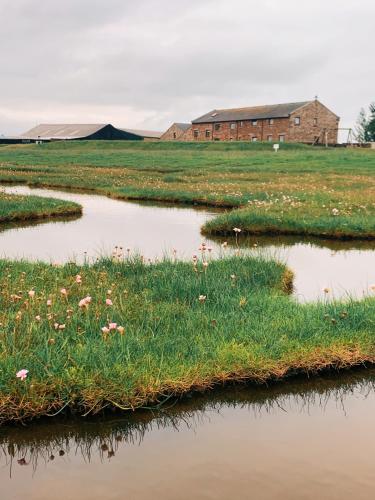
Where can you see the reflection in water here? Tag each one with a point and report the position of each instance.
(154, 230)
(293, 440)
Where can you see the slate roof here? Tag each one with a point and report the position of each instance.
(251, 113)
(62, 131)
(183, 126)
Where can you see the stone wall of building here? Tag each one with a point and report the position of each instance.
(274, 130)
(312, 122)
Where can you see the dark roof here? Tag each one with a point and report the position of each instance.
(147, 134)
(251, 113)
(62, 131)
(183, 126)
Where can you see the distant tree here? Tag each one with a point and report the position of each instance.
(361, 126)
(365, 126)
(370, 129)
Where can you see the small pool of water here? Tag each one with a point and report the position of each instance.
(154, 230)
(295, 441)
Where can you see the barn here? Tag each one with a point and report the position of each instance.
(308, 122)
(178, 132)
(73, 132)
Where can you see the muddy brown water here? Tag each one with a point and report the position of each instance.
(154, 230)
(294, 441)
(302, 440)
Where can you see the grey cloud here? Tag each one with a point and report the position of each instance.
(159, 60)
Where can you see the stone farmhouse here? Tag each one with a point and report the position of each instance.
(308, 122)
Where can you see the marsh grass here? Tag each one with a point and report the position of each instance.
(300, 190)
(183, 326)
(14, 208)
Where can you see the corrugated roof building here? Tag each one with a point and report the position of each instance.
(65, 132)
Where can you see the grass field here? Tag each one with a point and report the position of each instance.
(151, 331)
(300, 190)
(14, 208)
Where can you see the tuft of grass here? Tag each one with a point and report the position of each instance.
(15, 208)
(182, 326)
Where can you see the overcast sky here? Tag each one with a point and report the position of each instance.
(147, 63)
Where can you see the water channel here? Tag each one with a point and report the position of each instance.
(154, 230)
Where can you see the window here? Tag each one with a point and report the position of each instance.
(196, 133)
(297, 120)
(271, 121)
(254, 123)
(208, 133)
(269, 138)
(232, 126)
(241, 124)
(254, 138)
(174, 135)
(315, 122)
(217, 126)
(282, 138)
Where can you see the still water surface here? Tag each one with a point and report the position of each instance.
(347, 268)
(296, 441)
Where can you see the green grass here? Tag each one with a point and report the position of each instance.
(246, 328)
(300, 190)
(15, 208)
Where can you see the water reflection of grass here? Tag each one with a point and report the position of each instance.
(302, 190)
(17, 208)
(45, 442)
(125, 334)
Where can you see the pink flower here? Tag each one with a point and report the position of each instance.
(49, 302)
(22, 374)
(78, 278)
(105, 330)
(31, 293)
(112, 326)
(121, 330)
(38, 318)
(108, 302)
(63, 291)
(84, 302)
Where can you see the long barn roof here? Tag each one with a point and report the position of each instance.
(251, 113)
(62, 131)
(147, 134)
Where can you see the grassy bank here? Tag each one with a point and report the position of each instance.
(15, 208)
(179, 326)
(300, 190)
